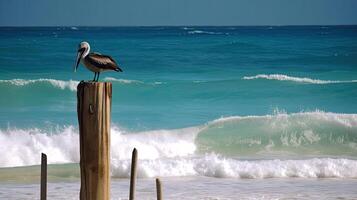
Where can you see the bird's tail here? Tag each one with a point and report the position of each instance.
(118, 69)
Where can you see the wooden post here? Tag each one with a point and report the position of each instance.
(158, 189)
(94, 107)
(134, 159)
(43, 176)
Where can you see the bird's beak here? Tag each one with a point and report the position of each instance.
(120, 69)
(78, 59)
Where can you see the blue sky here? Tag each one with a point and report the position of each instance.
(176, 12)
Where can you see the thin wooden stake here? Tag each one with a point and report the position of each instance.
(134, 160)
(43, 176)
(158, 189)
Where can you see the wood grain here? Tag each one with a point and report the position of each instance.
(94, 111)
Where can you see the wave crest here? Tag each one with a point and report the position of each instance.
(282, 77)
(281, 134)
(214, 149)
(62, 84)
(70, 84)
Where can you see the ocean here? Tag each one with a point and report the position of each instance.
(266, 112)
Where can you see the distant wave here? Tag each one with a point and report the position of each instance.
(62, 84)
(346, 120)
(187, 28)
(282, 77)
(206, 32)
(126, 81)
(70, 84)
(122, 80)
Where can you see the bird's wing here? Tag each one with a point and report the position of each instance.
(102, 61)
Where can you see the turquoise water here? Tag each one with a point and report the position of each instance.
(223, 102)
(182, 76)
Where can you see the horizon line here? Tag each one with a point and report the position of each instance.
(88, 26)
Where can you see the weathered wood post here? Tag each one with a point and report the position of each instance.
(158, 189)
(134, 159)
(43, 176)
(94, 107)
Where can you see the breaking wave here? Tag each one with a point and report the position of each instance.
(281, 134)
(282, 77)
(309, 144)
(23, 146)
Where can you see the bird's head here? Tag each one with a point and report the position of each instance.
(83, 50)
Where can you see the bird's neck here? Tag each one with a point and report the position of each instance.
(86, 52)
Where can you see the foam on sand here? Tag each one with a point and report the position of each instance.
(212, 165)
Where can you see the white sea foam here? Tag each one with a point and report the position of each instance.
(212, 165)
(162, 153)
(174, 152)
(282, 77)
(23, 146)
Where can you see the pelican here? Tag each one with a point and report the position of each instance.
(95, 62)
